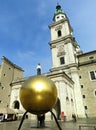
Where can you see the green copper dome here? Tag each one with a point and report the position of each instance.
(59, 10)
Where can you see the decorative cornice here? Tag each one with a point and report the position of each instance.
(65, 39)
(60, 53)
(87, 53)
(14, 65)
(58, 74)
(64, 67)
(58, 22)
(59, 27)
(87, 62)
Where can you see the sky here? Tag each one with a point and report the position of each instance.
(24, 32)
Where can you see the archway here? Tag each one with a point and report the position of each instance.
(57, 107)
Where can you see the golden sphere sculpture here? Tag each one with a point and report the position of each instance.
(38, 94)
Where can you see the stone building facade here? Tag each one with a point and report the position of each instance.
(8, 73)
(87, 76)
(73, 72)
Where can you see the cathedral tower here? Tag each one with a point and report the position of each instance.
(64, 50)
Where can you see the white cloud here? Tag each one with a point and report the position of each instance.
(25, 55)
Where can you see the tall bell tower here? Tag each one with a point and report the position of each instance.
(64, 50)
(63, 45)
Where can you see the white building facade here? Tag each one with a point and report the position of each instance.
(64, 71)
(64, 54)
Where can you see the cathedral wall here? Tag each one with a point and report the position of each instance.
(66, 97)
(77, 93)
(54, 57)
(5, 80)
(7, 74)
(65, 29)
(87, 57)
(88, 88)
(15, 96)
(69, 54)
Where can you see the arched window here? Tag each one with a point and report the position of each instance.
(62, 60)
(59, 33)
(95, 92)
(16, 104)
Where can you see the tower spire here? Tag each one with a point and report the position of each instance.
(58, 7)
(57, 2)
(59, 13)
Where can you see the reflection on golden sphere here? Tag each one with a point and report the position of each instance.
(38, 94)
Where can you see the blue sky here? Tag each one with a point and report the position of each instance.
(24, 32)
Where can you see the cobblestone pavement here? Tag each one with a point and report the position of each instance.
(49, 125)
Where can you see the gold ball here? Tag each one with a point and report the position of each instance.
(38, 94)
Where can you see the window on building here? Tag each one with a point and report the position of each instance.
(91, 57)
(81, 86)
(93, 75)
(57, 17)
(86, 108)
(95, 92)
(83, 96)
(62, 61)
(80, 77)
(67, 98)
(3, 87)
(16, 104)
(59, 33)
(4, 74)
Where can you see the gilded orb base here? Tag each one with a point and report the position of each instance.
(38, 94)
